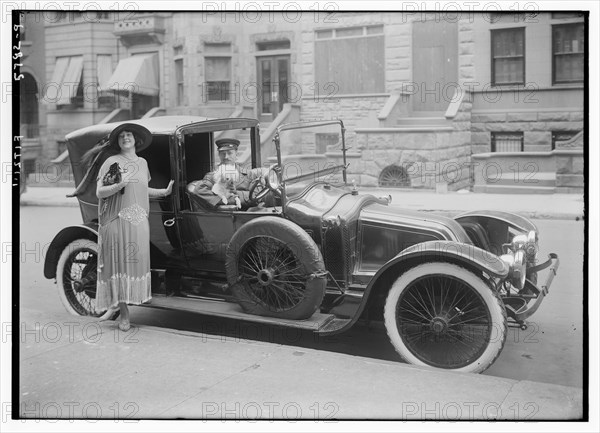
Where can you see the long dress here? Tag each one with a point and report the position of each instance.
(124, 239)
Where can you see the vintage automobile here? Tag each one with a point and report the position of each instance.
(314, 253)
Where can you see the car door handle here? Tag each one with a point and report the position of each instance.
(169, 222)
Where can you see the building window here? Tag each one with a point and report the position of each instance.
(65, 89)
(507, 142)
(324, 141)
(218, 78)
(179, 80)
(29, 166)
(567, 53)
(352, 59)
(562, 136)
(394, 176)
(508, 56)
(217, 71)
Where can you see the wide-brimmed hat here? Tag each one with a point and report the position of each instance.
(143, 136)
(227, 144)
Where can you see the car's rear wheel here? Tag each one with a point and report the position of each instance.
(76, 277)
(275, 269)
(443, 316)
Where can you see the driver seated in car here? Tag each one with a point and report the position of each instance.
(229, 182)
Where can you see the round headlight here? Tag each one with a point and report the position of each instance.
(517, 268)
(518, 242)
(274, 177)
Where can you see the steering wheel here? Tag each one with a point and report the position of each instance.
(260, 187)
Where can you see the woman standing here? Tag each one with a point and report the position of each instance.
(124, 232)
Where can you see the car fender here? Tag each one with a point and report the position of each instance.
(465, 255)
(516, 221)
(62, 239)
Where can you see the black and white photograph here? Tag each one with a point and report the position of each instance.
(299, 215)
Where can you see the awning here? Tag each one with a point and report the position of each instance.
(65, 80)
(136, 74)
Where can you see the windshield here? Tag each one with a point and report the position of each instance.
(311, 152)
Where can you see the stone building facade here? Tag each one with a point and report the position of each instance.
(419, 93)
(33, 77)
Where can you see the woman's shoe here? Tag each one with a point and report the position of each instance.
(108, 314)
(124, 325)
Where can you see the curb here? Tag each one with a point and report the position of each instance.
(527, 214)
(46, 204)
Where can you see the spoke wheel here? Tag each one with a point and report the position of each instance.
(272, 273)
(444, 316)
(275, 269)
(76, 276)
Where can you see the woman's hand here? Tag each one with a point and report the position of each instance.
(169, 188)
(161, 192)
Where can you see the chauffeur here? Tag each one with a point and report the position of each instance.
(229, 168)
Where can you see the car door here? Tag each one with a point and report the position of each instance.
(205, 235)
(165, 245)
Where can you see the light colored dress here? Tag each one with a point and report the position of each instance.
(124, 238)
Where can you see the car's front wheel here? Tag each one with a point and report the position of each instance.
(443, 316)
(76, 277)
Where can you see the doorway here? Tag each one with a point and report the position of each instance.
(435, 59)
(273, 78)
(28, 98)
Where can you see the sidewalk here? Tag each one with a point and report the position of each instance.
(552, 206)
(158, 373)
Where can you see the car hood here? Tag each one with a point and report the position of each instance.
(394, 216)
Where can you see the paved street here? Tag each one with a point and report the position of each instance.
(549, 351)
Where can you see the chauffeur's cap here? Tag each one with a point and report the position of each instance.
(227, 144)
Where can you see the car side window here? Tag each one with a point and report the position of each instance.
(198, 154)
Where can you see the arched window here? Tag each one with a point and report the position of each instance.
(394, 175)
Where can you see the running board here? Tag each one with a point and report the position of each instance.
(212, 307)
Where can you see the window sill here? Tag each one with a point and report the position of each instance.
(510, 86)
(568, 85)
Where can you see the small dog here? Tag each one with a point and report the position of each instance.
(225, 178)
(113, 175)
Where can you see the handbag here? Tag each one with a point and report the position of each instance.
(113, 176)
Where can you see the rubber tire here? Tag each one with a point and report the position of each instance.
(490, 297)
(311, 261)
(67, 251)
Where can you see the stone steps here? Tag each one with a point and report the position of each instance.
(244, 138)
